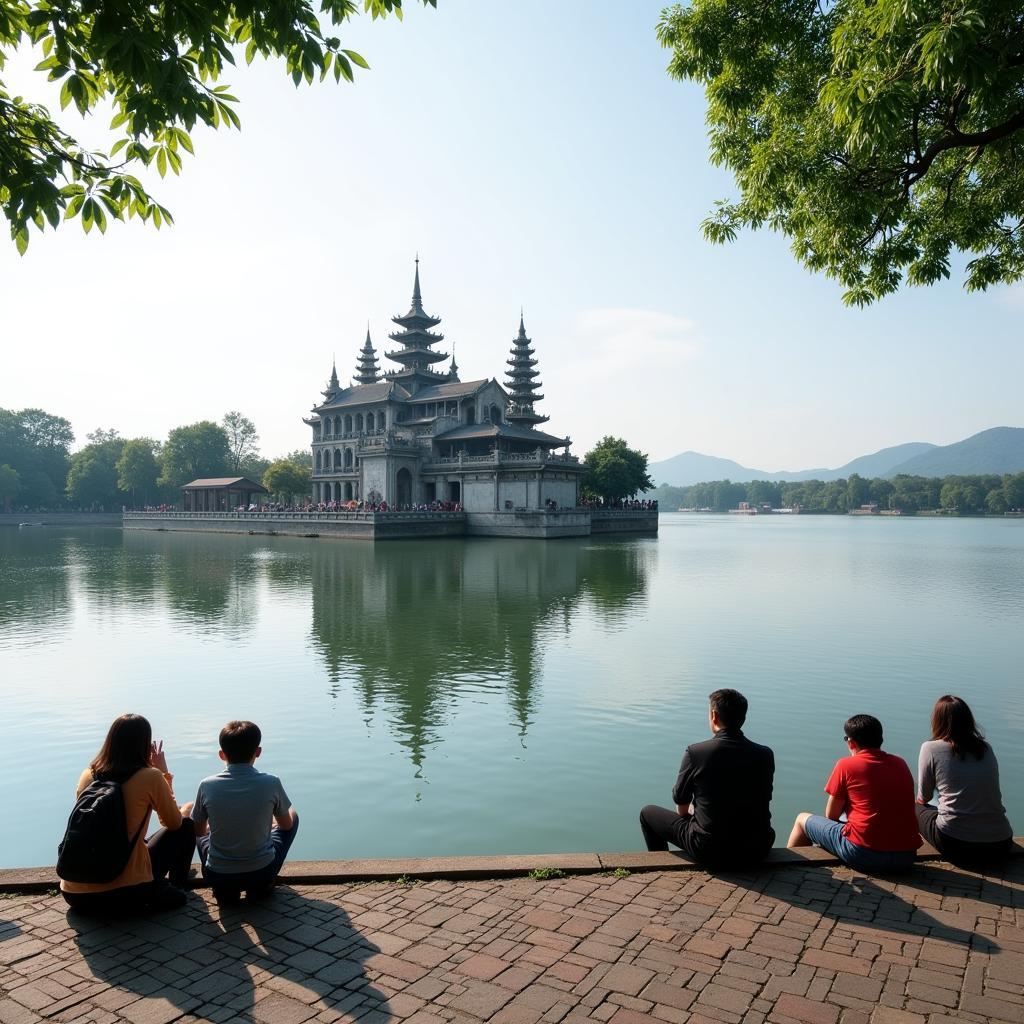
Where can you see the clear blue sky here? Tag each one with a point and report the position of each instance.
(534, 154)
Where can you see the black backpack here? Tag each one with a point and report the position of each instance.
(96, 847)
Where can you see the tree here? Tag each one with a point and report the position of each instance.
(287, 480)
(92, 477)
(615, 471)
(193, 452)
(1013, 487)
(155, 64)
(137, 468)
(10, 486)
(858, 491)
(879, 136)
(995, 501)
(36, 445)
(243, 441)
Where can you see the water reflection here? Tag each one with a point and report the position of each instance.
(413, 628)
(416, 627)
(35, 585)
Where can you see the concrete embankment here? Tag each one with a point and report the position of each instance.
(535, 524)
(327, 872)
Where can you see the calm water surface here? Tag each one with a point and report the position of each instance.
(443, 697)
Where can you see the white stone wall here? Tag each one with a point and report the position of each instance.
(562, 491)
(515, 491)
(374, 476)
(478, 495)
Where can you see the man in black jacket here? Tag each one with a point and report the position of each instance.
(722, 795)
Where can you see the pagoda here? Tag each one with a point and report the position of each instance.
(521, 383)
(367, 370)
(416, 354)
(333, 385)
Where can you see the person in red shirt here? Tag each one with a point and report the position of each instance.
(874, 791)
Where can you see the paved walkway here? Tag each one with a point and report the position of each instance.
(818, 945)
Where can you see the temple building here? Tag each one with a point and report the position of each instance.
(416, 434)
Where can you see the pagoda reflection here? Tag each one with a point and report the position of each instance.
(417, 627)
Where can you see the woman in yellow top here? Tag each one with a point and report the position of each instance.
(158, 867)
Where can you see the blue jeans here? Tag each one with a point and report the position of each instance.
(236, 881)
(829, 836)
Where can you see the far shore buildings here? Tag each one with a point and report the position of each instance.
(414, 434)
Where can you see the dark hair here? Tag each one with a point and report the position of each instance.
(730, 706)
(864, 730)
(953, 722)
(125, 750)
(239, 741)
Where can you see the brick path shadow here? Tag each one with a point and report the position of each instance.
(282, 960)
(899, 904)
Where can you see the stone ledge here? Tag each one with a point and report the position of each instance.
(330, 872)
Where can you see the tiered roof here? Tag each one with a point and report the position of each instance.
(416, 354)
(521, 383)
(367, 369)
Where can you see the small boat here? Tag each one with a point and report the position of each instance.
(22, 526)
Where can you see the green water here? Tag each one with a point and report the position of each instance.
(501, 696)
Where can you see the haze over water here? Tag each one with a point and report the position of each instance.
(494, 696)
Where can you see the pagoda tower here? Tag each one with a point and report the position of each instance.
(333, 385)
(453, 370)
(367, 370)
(416, 354)
(522, 384)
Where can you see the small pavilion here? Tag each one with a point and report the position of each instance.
(219, 494)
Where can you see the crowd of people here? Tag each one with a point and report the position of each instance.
(875, 819)
(243, 824)
(627, 504)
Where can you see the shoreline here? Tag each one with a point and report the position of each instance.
(468, 868)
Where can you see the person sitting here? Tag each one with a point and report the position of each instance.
(234, 812)
(722, 794)
(129, 758)
(969, 827)
(875, 791)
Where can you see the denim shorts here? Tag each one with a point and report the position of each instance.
(829, 836)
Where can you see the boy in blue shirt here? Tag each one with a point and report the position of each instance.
(244, 821)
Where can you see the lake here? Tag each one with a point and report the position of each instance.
(498, 696)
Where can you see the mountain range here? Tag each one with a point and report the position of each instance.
(998, 450)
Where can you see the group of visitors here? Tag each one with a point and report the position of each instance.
(874, 820)
(241, 822)
(630, 504)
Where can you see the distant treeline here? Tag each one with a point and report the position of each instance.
(38, 470)
(984, 493)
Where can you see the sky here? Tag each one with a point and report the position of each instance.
(534, 155)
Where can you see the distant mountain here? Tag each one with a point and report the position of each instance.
(999, 450)
(693, 468)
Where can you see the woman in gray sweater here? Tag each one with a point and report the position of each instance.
(969, 827)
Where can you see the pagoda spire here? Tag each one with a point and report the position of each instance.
(453, 372)
(333, 385)
(416, 354)
(521, 382)
(367, 370)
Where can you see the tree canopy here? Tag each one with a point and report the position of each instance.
(194, 452)
(243, 440)
(881, 137)
(37, 446)
(286, 479)
(614, 470)
(155, 66)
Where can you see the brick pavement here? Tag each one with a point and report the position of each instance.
(809, 945)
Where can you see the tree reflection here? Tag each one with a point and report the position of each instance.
(35, 595)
